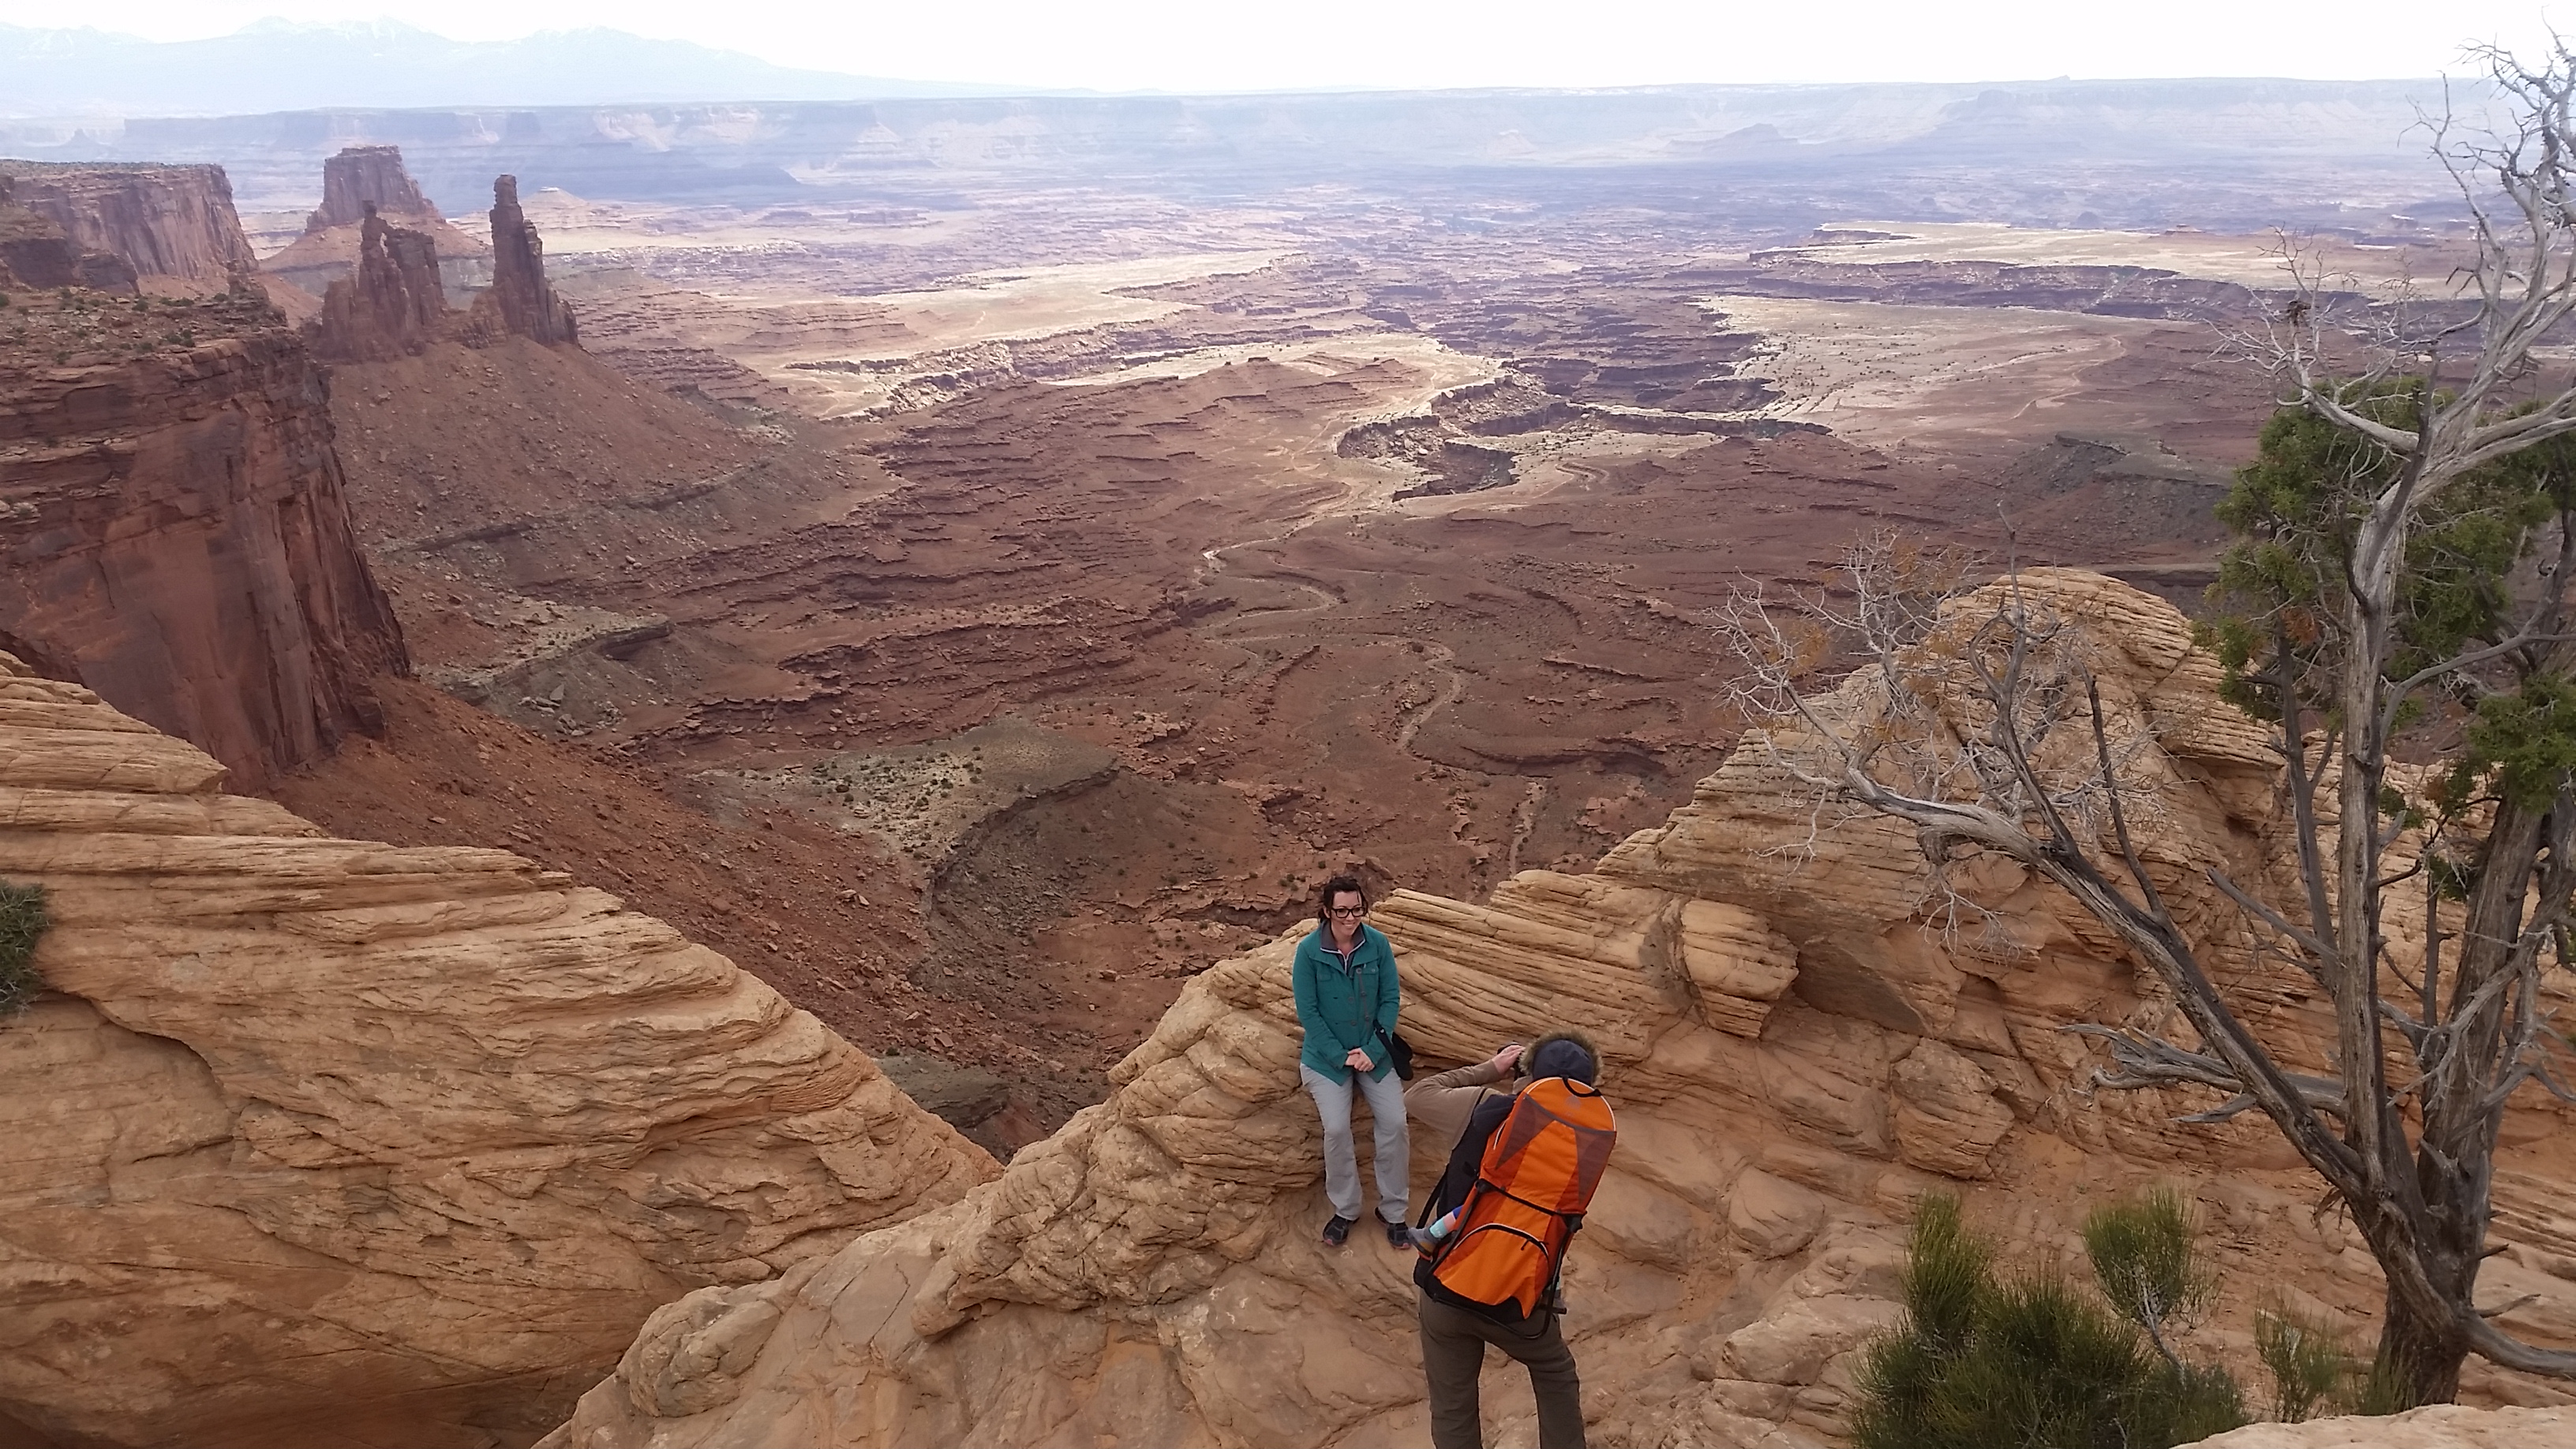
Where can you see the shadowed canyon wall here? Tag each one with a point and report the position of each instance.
(174, 223)
(174, 526)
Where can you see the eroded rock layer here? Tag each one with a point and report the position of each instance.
(1797, 1056)
(174, 526)
(391, 305)
(329, 1141)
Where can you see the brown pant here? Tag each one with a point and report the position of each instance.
(1453, 1354)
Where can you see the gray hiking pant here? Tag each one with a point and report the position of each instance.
(1393, 1149)
(1453, 1354)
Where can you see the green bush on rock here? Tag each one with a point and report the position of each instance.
(22, 924)
(1983, 1359)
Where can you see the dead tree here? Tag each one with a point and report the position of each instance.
(1986, 731)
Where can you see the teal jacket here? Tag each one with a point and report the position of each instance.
(1344, 1009)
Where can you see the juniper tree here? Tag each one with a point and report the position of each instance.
(2401, 581)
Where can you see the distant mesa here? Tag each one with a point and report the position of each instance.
(367, 179)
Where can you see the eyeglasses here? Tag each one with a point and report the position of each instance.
(1346, 912)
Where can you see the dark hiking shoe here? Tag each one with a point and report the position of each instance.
(1398, 1236)
(1338, 1231)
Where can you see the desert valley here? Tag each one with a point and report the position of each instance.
(677, 749)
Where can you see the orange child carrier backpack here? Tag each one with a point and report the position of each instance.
(1538, 1174)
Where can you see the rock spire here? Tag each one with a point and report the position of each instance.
(391, 305)
(525, 300)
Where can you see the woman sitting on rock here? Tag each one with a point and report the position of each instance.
(1347, 999)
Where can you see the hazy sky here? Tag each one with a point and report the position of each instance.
(1185, 45)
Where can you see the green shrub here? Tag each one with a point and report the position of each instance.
(1982, 1360)
(2143, 1256)
(2306, 1359)
(22, 924)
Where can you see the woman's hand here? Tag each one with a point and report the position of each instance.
(1358, 1060)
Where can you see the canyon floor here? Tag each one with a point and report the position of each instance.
(977, 612)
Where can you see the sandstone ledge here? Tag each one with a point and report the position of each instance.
(2440, 1426)
(330, 1141)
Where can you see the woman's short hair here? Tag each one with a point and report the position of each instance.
(1338, 885)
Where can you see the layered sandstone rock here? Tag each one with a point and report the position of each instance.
(174, 528)
(363, 180)
(384, 287)
(2441, 1426)
(327, 1141)
(171, 224)
(1797, 1055)
(35, 252)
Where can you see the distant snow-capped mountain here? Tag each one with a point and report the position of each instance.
(278, 65)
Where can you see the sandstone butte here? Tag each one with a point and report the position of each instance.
(324, 1141)
(1796, 1060)
(391, 303)
(358, 179)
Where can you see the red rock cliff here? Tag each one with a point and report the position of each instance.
(34, 252)
(166, 221)
(173, 526)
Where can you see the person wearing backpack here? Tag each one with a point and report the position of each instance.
(1494, 1237)
(1347, 999)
